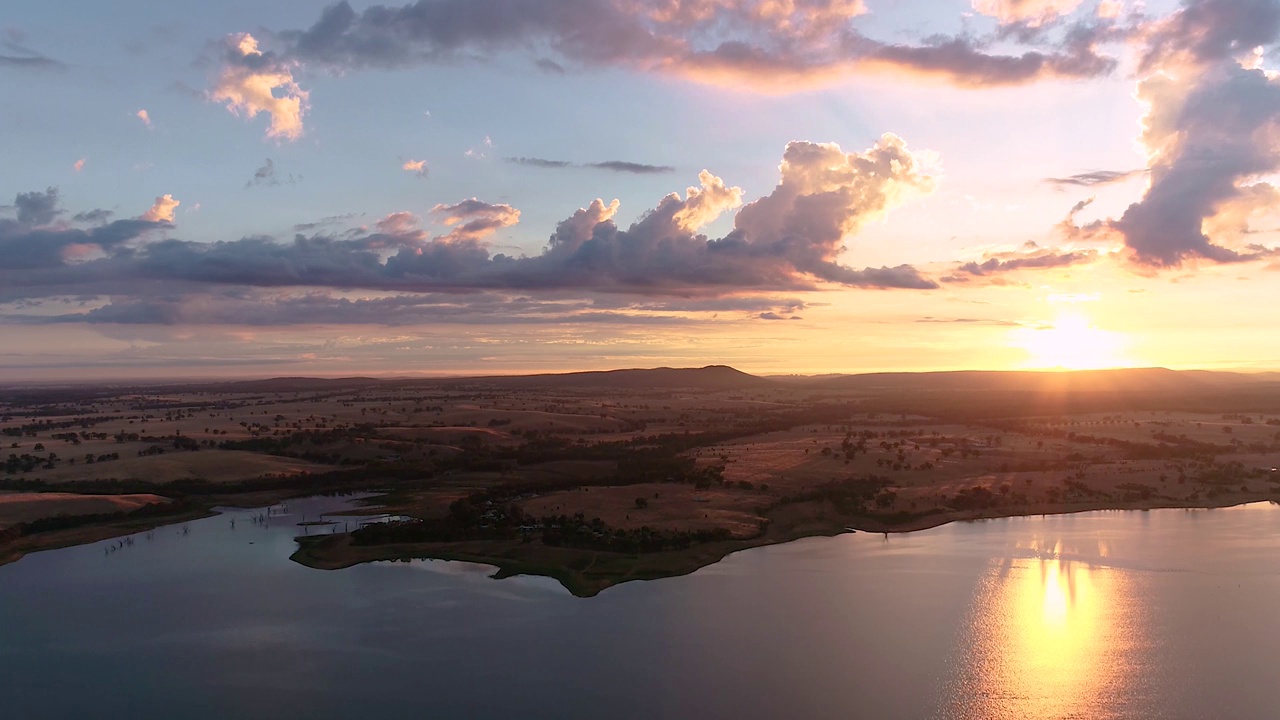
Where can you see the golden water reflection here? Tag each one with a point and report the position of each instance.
(1049, 637)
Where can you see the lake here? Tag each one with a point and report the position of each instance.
(1119, 614)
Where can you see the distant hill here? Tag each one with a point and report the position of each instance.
(711, 377)
(954, 394)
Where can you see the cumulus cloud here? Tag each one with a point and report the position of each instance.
(144, 116)
(1211, 131)
(253, 82)
(791, 239)
(161, 211)
(417, 167)
(779, 46)
(474, 219)
(1032, 13)
(79, 164)
(37, 208)
(826, 195)
(1204, 32)
(35, 240)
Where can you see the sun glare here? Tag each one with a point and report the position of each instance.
(1071, 343)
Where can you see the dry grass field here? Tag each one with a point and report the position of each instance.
(24, 507)
(651, 461)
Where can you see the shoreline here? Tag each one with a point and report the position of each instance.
(585, 573)
(514, 558)
(72, 537)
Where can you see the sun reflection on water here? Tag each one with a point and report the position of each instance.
(1047, 638)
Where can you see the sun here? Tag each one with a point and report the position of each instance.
(1070, 342)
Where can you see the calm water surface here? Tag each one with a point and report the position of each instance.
(1168, 613)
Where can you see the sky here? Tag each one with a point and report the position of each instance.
(445, 187)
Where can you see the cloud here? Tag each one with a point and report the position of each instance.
(631, 167)
(1211, 132)
(267, 176)
(621, 166)
(324, 222)
(79, 164)
(37, 208)
(538, 162)
(161, 211)
(474, 219)
(33, 240)
(1110, 9)
(1095, 178)
(95, 217)
(825, 195)
(764, 44)
(275, 307)
(1207, 32)
(253, 82)
(417, 167)
(1036, 259)
(969, 321)
(20, 57)
(1032, 13)
(30, 62)
(144, 116)
(550, 66)
(962, 62)
(791, 239)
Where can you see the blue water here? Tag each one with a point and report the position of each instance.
(1113, 614)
